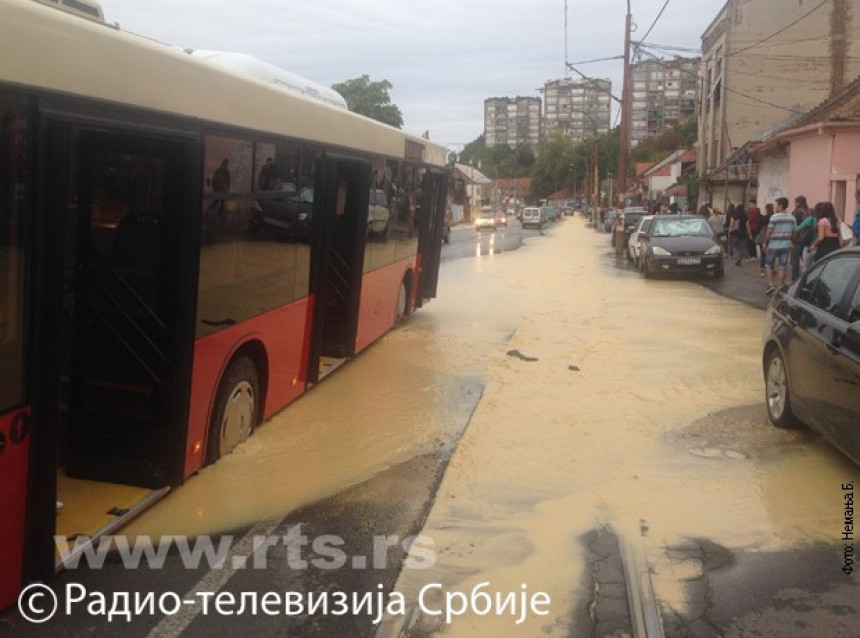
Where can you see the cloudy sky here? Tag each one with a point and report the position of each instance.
(444, 57)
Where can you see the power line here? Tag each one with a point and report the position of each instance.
(823, 36)
(668, 47)
(782, 78)
(725, 88)
(614, 57)
(599, 88)
(784, 29)
(648, 32)
(760, 56)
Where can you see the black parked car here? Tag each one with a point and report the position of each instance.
(285, 210)
(680, 243)
(631, 215)
(811, 353)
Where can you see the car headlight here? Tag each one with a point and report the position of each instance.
(713, 250)
(657, 250)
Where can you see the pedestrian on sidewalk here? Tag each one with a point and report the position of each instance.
(718, 224)
(828, 231)
(855, 227)
(739, 234)
(764, 221)
(800, 212)
(777, 244)
(754, 215)
(804, 237)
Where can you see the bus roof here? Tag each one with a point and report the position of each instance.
(251, 66)
(59, 52)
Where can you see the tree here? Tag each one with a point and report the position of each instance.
(370, 99)
(500, 161)
(556, 165)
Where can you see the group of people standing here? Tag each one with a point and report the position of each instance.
(780, 239)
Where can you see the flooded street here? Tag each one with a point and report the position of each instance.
(579, 407)
(642, 410)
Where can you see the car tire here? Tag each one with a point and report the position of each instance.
(720, 271)
(777, 399)
(236, 411)
(647, 271)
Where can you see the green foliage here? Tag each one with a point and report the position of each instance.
(656, 148)
(370, 99)
(556, 166)
(498, 161)
(562, 164)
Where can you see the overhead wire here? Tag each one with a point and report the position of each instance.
(730, 90)
(600, 88)
(657, 19)
(783, 30)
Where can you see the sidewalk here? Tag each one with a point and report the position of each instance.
(742, 283)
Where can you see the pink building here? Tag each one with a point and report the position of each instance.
(817, 155)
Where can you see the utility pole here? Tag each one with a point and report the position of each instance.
(624, 145)
(596, 184)
(624, 142)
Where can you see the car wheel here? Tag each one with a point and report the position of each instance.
(776, 391)
(236, 409)
(647, 271)
(720, 271)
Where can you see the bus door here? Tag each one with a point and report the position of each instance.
(341, 197)
(431, 225)
(127, 317)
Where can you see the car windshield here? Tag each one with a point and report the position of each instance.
(487, 214)
(378, 198)
(682, 228)
(632, 218)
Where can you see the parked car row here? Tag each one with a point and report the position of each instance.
(663, 244)
(811, 346)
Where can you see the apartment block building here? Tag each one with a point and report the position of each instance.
(512, 122)
(765, 62)
(664, 95)
(578, 109)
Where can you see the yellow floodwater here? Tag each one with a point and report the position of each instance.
(631, 437)
(625, 440)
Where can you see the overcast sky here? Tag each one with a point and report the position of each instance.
(444, 57)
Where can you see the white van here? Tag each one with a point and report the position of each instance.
(533, 217)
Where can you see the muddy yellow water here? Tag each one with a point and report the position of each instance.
(641, 410)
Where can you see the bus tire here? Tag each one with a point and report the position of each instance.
(401, 310)
(237, 408)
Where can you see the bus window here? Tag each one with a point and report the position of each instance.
(255, 252)
(13, 136)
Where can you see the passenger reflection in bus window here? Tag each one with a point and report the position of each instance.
(268, 176)
(220, 184)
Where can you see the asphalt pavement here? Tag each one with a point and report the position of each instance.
(743, 283)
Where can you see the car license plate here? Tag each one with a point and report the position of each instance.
(689, 261)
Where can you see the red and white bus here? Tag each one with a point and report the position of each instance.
(184, 250)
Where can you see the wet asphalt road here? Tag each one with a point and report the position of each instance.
(466, 242)
(767, 593)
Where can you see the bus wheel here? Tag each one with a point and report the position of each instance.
(236, 410)
(402, 302)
